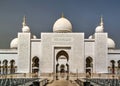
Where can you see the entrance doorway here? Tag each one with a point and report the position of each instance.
(62, 65)
(35, 65)
(89, 66)
(62, 68)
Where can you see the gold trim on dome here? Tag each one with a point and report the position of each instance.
(62, 15)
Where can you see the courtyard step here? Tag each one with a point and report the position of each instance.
(63, 83)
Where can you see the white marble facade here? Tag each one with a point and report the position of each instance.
(61, 50)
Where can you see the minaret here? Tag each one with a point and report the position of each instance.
(24, 21)
(24, 49)
(101, 21)
(25, 28)
(101, 48)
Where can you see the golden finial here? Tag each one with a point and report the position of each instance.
(62, 15)
(101, 21)
(24, 21)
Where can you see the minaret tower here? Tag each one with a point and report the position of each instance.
(25, 28)
(24, 21)
(24, 38)
(101, 22)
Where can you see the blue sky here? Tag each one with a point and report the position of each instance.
(41, 15)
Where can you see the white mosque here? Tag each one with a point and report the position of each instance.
(60, 51)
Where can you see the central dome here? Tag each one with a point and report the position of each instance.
(62, 25)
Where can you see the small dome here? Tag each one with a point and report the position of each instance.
(34, 37)
(111, 43)
(25, 29)
(62, 25)
(14, 43)
(99, 29)
(90, 37)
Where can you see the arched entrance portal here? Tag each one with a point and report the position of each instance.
(35, 64)
(89, 66)
(62, 66)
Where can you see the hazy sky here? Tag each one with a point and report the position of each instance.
(41, 15)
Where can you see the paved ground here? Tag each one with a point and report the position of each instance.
(62, 83)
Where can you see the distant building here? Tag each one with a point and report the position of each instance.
(61, 51)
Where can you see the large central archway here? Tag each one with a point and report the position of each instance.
(62, 65)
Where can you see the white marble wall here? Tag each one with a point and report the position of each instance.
(115, 57)
(101, 51)
(36, 50)
(90, 51)
(51, 40)
(50, 44)
(9, 55)
(24, 53)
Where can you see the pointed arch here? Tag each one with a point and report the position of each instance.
(12, 66)
(118, 68)
(118, 63)
(60, 53)
(89, 61)
(5, 66)
(35, 64)
(113, 66)
(62, 65)
(89, 66)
